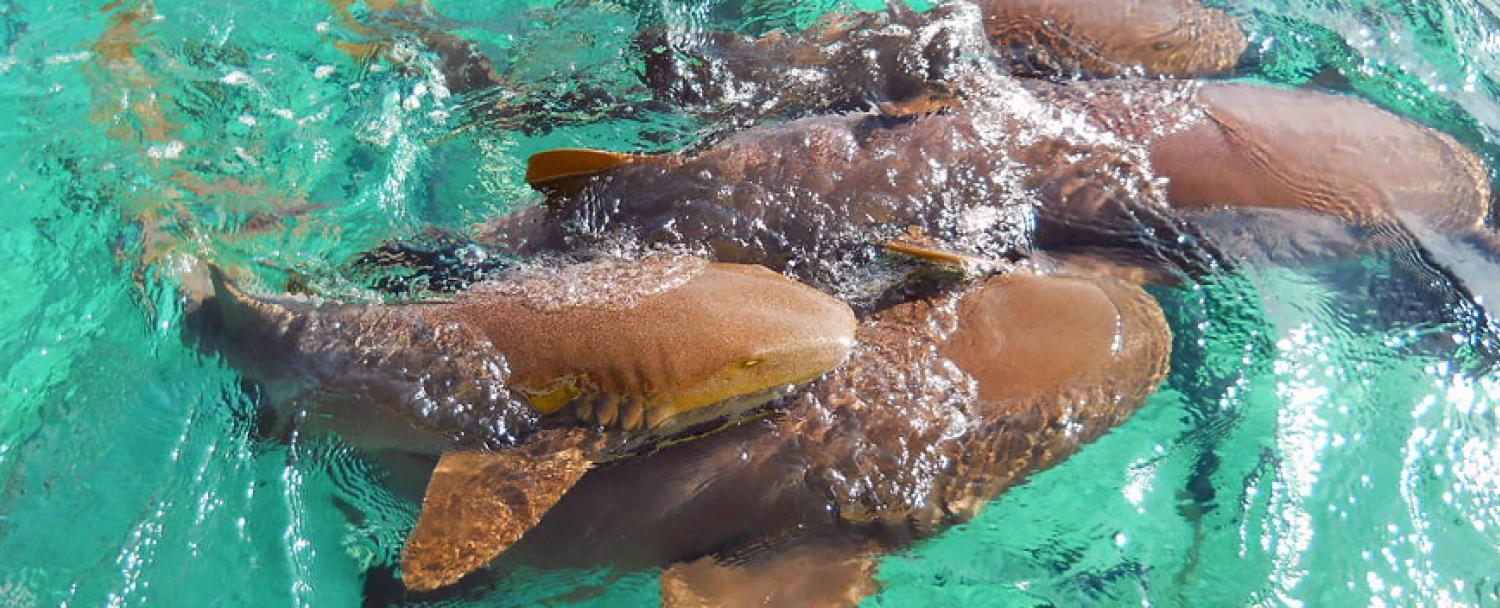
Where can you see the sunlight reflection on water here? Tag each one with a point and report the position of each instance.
(1313, 472)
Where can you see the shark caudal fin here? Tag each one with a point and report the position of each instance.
(563, 171)
(810, 573)
(480, 503)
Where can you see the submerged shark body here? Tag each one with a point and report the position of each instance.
(946, 402)
(816, 197)
(1313, 176)
(853, 62)
(844, 62)
(1137, 162)
(630, 346)
(533, 378)
(1217, 145)
(1243, 145)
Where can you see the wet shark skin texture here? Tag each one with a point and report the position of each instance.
(1179, 38)
(849, 62)
(815, 195)
(659, 334)
(896, 444)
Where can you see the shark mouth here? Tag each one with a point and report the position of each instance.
(641, 428)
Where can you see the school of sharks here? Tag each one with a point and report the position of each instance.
(893, 291)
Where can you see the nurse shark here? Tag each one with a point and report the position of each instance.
(537, 376)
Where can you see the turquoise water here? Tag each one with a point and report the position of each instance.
(1320, 442)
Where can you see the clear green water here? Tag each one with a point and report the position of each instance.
(1320, 442)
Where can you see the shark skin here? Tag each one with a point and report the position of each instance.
(523, 384)
(946, 402)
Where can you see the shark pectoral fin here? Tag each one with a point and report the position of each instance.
(563, 171)
(927, 249)
(480, 503)
(835, 573)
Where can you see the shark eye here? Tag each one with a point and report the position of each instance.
(1163, 46)
(751, 363)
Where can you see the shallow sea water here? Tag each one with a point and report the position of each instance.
(1330, 435)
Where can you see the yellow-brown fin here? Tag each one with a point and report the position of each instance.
(552, 171)
(919, 246)
(811, 573)
(480, 503)
(563, 172)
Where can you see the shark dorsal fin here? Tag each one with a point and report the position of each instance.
(562, 171)
(572, 162)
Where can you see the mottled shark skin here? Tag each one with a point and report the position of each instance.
(816, 197)
(849, 62)
(1245, 145)
(638, 348)
(852, 62)
(1180, 38)
(845, 62)
(1284, 162)
(532, 379)
(945, 403)
(1124, 164)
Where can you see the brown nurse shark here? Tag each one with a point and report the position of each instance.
(815, 197)
(533, 376)
(1237, 144)
(845, 62)
(852, 61)
(1283, 161)
(946, 402)
(1179, 38)
(1126, 165)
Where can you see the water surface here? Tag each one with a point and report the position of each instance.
(1328, 435)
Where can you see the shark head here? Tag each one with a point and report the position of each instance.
(649, 348)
